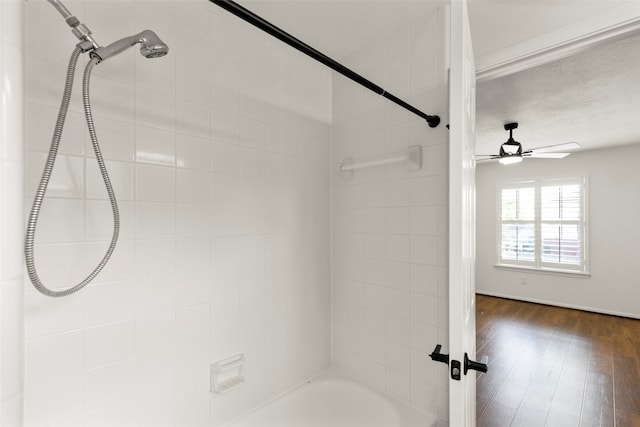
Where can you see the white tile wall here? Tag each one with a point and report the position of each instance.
(389, 225)
(219, 161)
(11, 230)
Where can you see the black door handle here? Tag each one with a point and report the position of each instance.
(439, 357)
(455, 364)
(476, 366)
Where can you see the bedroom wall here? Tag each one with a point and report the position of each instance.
(614, 237)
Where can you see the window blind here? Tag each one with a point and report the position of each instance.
(542, 224)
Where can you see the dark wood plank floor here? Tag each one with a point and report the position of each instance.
(556, 367)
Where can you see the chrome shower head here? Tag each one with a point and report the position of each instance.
(151, 46)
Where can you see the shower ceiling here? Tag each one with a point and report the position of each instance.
(340, 27)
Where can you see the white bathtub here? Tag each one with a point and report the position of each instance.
(332, 399)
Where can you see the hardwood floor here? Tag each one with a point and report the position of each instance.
(556, 367)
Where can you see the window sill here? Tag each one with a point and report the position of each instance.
(551, 271)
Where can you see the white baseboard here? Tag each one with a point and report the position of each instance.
(559, 304)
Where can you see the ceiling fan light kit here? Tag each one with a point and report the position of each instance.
(511, 151)
(511, 147)
(509, 160)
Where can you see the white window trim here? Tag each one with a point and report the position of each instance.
(550, 271)
(538, 265)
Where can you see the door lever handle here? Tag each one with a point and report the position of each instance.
(439, 357)
(476, 366)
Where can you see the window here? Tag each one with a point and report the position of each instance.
(542, 225)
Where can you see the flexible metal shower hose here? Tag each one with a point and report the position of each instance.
(46, 175)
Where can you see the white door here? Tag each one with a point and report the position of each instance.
(462, 220)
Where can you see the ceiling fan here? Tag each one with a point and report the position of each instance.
(511, 151)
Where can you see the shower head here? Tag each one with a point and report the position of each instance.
(151, 46)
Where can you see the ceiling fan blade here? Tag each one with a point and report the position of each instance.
(557, 147)
(488, 159)
(548, 155)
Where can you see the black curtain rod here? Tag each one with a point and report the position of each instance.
(276, 32)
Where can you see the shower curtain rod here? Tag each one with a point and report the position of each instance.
(278, 33)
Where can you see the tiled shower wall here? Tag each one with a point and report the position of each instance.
(218, 154)
(11, 178)
(389, 224)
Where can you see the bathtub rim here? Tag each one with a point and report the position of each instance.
(408, 415)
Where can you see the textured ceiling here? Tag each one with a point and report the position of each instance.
(592, 98)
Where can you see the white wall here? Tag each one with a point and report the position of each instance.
(614, 237)
(389, 225)
(11, 229)
(218, 154)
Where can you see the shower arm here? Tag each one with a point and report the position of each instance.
(81, 31)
